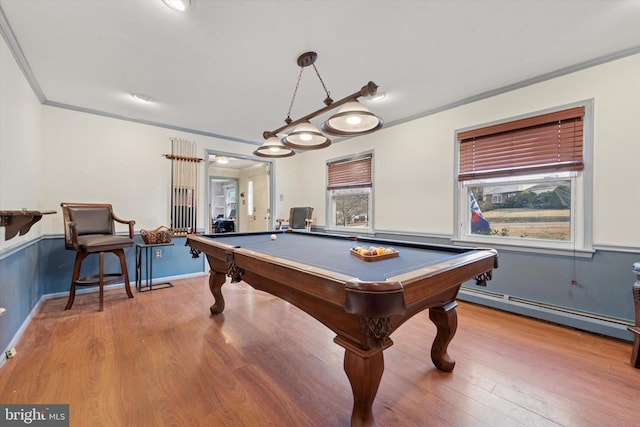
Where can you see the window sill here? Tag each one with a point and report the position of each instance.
(351, 231)
(530, 247)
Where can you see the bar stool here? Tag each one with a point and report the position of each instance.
(89, 228)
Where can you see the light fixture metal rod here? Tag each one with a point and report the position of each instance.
(369, 89)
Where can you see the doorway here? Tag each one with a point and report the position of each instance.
(224, 193)
(238, 191)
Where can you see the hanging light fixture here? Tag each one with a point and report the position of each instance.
(306, 136)
(351, 120)
(272, 147)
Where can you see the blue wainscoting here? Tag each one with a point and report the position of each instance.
(20, 290)
(58, 263)
(42, 267)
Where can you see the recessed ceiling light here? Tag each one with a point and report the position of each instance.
(141, 97)
(179, 5)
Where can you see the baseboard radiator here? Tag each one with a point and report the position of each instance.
(578, 319)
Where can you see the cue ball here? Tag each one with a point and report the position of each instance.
(273, 237)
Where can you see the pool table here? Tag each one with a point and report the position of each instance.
(362, 302)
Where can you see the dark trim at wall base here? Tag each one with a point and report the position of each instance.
(603, 325)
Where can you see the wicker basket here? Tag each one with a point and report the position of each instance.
(158, 235)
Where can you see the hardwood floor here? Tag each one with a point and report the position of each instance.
(161, 359)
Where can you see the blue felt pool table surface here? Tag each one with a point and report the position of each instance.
(332, 252)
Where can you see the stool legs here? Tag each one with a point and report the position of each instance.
(125, 273)
(100, 282)
(74, 277)
(635, 353)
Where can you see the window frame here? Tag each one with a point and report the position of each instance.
(329, 217)
(581, 243)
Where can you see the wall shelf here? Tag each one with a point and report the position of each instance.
(20, 221)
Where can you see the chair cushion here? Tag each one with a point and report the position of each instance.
(91, 220)
(299, 218)
(103, 242)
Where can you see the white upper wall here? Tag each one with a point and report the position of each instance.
(20, 145)
(92, 158)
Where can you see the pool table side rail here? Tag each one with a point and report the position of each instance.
(450, 264)
(413, 244)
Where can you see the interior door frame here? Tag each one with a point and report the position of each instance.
(207, 181)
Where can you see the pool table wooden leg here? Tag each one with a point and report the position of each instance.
(216, 280)
(635, 352)
(446, 320)
(364, 373)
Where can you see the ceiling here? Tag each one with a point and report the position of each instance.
(228, 68)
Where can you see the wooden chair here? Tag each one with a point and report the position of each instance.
(635, 353)
(299, 218)
(89, 228)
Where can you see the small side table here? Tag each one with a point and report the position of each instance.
(148, 255)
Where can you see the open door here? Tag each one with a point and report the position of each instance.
(258, 212)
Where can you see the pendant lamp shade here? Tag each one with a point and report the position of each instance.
(272, 147)
(352, 119)
(306, 136)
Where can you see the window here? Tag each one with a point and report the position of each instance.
(350, 193)
(524, 181)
